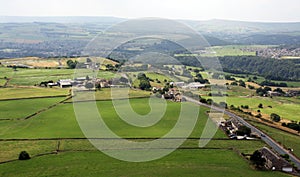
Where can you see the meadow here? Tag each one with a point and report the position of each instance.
(31, 77)
(31, 92)
(95, 163)
(19, 109)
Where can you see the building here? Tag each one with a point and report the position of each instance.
(194, 85)
(63, 83)
(271, 93)
(275, 162)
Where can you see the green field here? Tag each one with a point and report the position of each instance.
(30, 77)
(78, 157)
(30, 92)
(179, 163)
(287, 110)
(286, 107)
(14, 109)
(60, 122)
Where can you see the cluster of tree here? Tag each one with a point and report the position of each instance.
(239, 83)
(269, 68)
(144, 82)
(244, 106)
(243, 130)
(262, 91)
(274, 84)
(257, 159)
(200, 79)
(229, 77)
(292, 125)
(211, 102)
(219, 94)
(232, 107)
(45, 83)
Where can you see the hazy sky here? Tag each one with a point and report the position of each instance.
(246, 10)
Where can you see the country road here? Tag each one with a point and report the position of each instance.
(268, 140)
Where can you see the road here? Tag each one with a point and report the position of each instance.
(268, 140)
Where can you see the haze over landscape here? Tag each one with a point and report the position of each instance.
(150, 88)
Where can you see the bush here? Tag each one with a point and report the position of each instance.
(275, 117)
(24, 155)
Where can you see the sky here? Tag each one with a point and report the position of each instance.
(243, 10)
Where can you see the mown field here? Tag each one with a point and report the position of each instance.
(79, 157)
(31, 77)
(179, 163)
(31, 92)
(13, 109)
(286, 107)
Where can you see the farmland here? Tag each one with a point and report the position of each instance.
(181, 162)
(60, 122)
(54, 131)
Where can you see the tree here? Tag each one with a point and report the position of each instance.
(71, 64)
(24, 155)
(243, 130)
(223, 104)
(89, 85)
(275, 117)
(88, 60)
(98, 86)
(260, 105)
(144, 84)
(257, 159)
(242, 83)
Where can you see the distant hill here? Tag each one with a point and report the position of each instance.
(216, 32)
(60, 19)
(239, 27)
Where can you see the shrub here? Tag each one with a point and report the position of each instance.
(24, 155)
(275, 117)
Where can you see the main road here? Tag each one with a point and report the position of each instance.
(268, 140)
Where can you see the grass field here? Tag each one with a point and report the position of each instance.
(285, 110)
(78, 157)
(60, 122)
(286, 107)
(179, 163)
(30, 77)
(30, 92)
(21, 108)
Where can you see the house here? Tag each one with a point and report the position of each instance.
(291, 93)
(194, 85)
(63, 83)
(52, 84)
(177, 84)
(275, 162)
(271, 93)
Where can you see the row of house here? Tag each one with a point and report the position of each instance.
(191, 86)
(80, 82)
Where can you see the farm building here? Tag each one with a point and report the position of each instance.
(63, 83)
(194, 85)
(275, 162)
